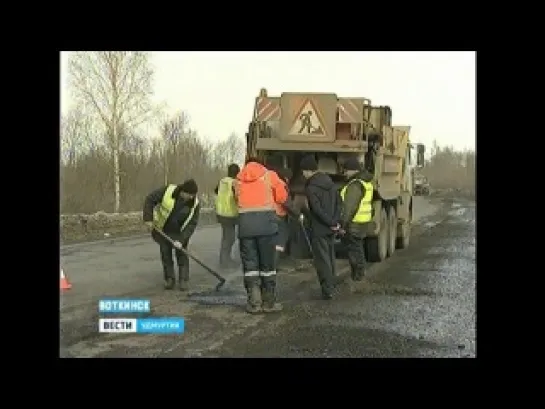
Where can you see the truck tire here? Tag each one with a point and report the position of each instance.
(377, 247)
(402, 242)
(392, 231)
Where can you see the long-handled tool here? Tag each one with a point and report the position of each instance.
(195, 259)
(305, 235)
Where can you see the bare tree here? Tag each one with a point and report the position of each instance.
(116, 87)
(77, 135)
(173, 131)
(230, 150)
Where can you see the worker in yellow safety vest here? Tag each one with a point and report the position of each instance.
(357, 208)
(174, 210)
(227, 215)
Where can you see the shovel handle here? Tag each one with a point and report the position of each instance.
(191, 256)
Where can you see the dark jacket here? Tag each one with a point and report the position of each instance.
(354, 193)
(324, 204)
(285, 174)
(289, 205)
(177, 217)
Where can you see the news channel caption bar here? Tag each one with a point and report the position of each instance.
(123, 306)
(142, 325)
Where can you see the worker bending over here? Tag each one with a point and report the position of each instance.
(357, 197)
(174, 209)
(258, 191)
(227, 215)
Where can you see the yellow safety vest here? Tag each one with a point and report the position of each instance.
(364, 213)
(226, 205)
(163, 209)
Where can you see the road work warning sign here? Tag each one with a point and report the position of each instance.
(308, 121)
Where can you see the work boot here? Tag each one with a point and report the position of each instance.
(268, 294)
(183, 277)
(253, 305)
(168, 274)
(327, 290)
(358, 274)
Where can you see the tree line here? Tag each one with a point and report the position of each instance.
(88, 172)
(448, 168)
(109, 162)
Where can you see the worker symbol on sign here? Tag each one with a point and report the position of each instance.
(308, 122)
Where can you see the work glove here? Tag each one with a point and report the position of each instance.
(177, 244)
(301, 217)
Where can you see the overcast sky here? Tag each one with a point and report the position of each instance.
(434, 92)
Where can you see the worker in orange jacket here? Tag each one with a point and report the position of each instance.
(258, 192)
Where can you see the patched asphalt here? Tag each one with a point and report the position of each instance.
(421, 302)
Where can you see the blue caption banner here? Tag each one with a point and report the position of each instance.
(160, 325)
(122, 306)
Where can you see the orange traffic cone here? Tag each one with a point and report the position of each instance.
(65, 285)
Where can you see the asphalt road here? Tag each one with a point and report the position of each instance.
(216, 324)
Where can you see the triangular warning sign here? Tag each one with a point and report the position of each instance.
(308, 121)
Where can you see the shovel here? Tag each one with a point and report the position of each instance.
(195, 259)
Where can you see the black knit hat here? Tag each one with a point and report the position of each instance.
(189, 186)
(309, 163)
(352, 164)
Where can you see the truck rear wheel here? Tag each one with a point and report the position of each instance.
(402, 242)
(392, 233)
(377, 247)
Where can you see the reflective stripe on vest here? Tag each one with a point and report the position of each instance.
(162, 211)
(226, 205)
(269, 201)
(365, 210)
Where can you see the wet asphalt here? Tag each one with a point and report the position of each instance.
(421, 302)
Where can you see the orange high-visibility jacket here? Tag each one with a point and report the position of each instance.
(258, 189)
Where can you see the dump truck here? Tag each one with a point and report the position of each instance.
(334, 129)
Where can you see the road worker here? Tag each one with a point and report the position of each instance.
(323, 213)
(173, 209)
(357, 197)
(274, 164)
(227, 215)
(258, 191)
